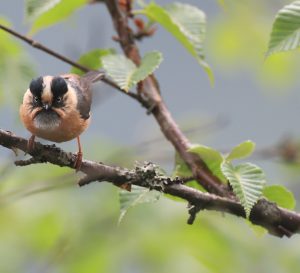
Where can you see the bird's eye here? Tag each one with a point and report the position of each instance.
(58, 99)
(36, 99)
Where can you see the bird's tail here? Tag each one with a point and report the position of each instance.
(93, 76)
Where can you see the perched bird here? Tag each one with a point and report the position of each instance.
(58, 108)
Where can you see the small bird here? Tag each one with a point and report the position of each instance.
(57, 108)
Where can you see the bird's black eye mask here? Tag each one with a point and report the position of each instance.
(36, 87)
(59, 87)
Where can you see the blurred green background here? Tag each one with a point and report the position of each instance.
(49, 224)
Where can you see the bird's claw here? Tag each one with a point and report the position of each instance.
(78, 161)
(30, 144)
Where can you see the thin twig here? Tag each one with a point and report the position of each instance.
(49, 51)
(53, 53)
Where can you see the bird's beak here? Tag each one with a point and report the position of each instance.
(46, 106)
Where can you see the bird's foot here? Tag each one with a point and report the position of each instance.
(30, 144)
(78, 161)
(126, 186)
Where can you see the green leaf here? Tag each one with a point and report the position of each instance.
(181, 168)
(195, 184)
(242, 150)
(280, 195)
(259, 231)
(92, 59)
(212, 158)
(285, 33)
(137, 195)
(125, 73)
(46, 13)
(191, 22)
(186, 23)
(34, 8)
(150, 62)
(247, 181)
(120, 69)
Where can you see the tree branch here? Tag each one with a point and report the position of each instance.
(152, 96)
(277, 221)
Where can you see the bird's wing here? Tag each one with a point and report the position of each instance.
(93, 76)
(82, 86)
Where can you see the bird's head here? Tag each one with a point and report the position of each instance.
(48, 92)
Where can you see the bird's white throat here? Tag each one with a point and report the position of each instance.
(47, 120)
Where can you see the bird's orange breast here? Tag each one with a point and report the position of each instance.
(69, 125)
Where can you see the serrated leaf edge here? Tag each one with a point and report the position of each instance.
(194, 53)
(286, 9)
(242, 198)
(153, 68)
(129, 82)
(227, 157)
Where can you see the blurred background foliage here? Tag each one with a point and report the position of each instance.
(48, 224)
(238, 41)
